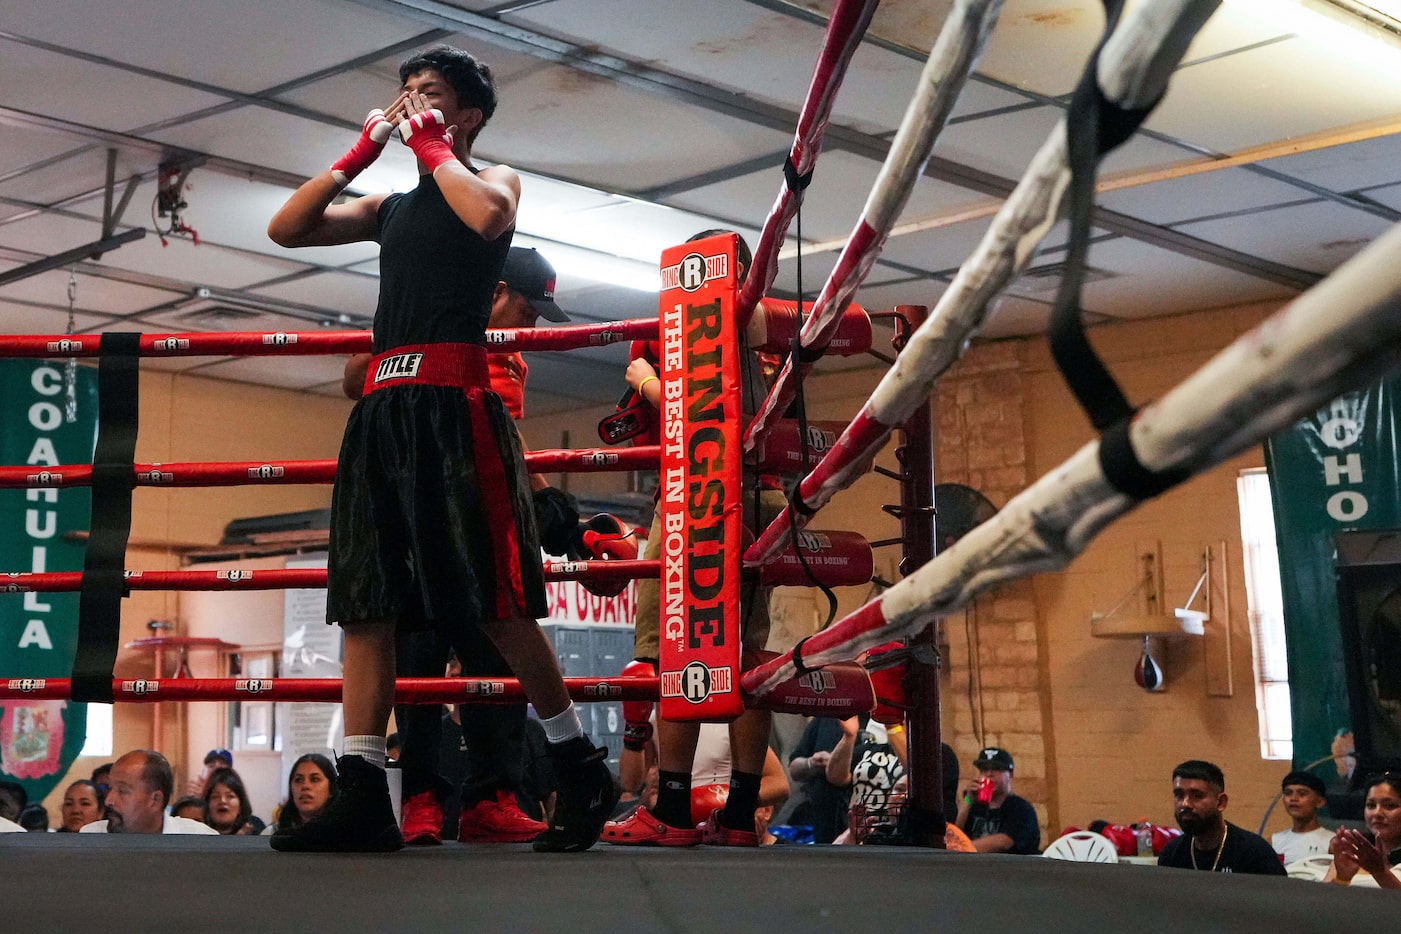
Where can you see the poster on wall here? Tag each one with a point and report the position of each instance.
(1332, 475)
(310, 649)
(39, 631)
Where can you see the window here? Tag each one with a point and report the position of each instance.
(1266, 609)
(99, 739)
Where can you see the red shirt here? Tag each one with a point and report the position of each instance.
(507, 372)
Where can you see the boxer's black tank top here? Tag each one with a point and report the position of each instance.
(437, 275)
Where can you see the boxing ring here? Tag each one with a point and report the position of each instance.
(1339, 335)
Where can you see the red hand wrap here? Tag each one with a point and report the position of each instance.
(426, 134)
(366, 149)
(637, 715)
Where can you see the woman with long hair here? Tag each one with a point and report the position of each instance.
(226, 805)
(311, 785)
(1368, 858)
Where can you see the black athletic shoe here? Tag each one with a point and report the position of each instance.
(587, 796)
(360, 819)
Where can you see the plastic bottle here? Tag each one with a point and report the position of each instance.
(1144, 832)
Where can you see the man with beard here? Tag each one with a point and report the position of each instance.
(1209, 842)
(141, 785)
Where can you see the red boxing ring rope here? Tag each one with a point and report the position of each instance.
(845, 28)
(248, 473)
(304, 343)
(328, 690)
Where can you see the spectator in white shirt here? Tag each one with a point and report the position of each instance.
(1304, 794)
(141, 785)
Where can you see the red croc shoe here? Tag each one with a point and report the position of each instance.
(498, 820)
(642, 829)
(422, 816)
(715, 833)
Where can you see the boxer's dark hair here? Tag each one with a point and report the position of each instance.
(470, 80)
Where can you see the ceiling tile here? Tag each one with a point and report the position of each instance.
(1318, 237)
(1003, 144)
(28, 76)
(337, 291)
(210, 40)
(1063, 32)
(1218, 192)
(94, 293)
(1217, 104)
(24, 148)
(1347, 168)
(16, 318)
(663, 139)
(1149, 281)
(1014, 316)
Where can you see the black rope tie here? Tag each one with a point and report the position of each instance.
(113, 478)
(795, 181)
(1095, 126)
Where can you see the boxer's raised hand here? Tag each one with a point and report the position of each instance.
(379, 124)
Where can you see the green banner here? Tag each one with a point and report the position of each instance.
(1336, 471)
(39, 631)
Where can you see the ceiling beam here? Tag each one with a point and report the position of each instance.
(96, 248)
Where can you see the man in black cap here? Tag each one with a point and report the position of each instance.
(1208, 841)
(999, 822)
(1303, 794)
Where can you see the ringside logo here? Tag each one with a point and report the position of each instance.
(818, 681)
(13, 588)
(140, 686)
(266, 472)
(694, 271)
(279, 338)
(696, 682)
(43, 478)
(253, 685)
(235, 575)
(26, 685)
(487, 688)
(169, 344)
(399, 366)
(64, 346)
(603, 689)
(155, 476)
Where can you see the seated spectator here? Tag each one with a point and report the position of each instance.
(311, 785)
(34, 818)
(191, 807)
(141, 785)
(1304, 794)
(81, 806)
(214, 760)
(869, 760)
(1370, 859)
(1005, 824)
(101, 780)
(13, 799)
(823, 804)
(226, 805)
(1208, 842)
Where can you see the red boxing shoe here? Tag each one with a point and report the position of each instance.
(498, 820)
(422, 818)
(715, 833)
(643, 829)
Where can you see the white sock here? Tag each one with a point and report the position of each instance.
(369, 748)
(563, 726)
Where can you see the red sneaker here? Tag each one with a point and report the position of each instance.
(641, 828)
(715, 833)
(498, 821)
(422, 818)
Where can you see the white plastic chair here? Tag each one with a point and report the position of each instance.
(1082, 846)
(1311, 868)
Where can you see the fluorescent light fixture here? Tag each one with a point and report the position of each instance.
(1366, 31)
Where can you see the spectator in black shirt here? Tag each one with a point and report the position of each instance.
(1209, 842)
(1007, 823)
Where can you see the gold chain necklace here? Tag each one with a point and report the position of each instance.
(1224, 834)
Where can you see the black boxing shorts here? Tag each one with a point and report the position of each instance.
(431, 517)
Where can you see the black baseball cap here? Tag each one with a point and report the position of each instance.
(993, 759)
(531, 274)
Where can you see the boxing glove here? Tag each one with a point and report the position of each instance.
(706, 800)
(603, 538)
(366, 149)
(637, 715)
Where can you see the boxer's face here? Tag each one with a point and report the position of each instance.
(436, 92)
